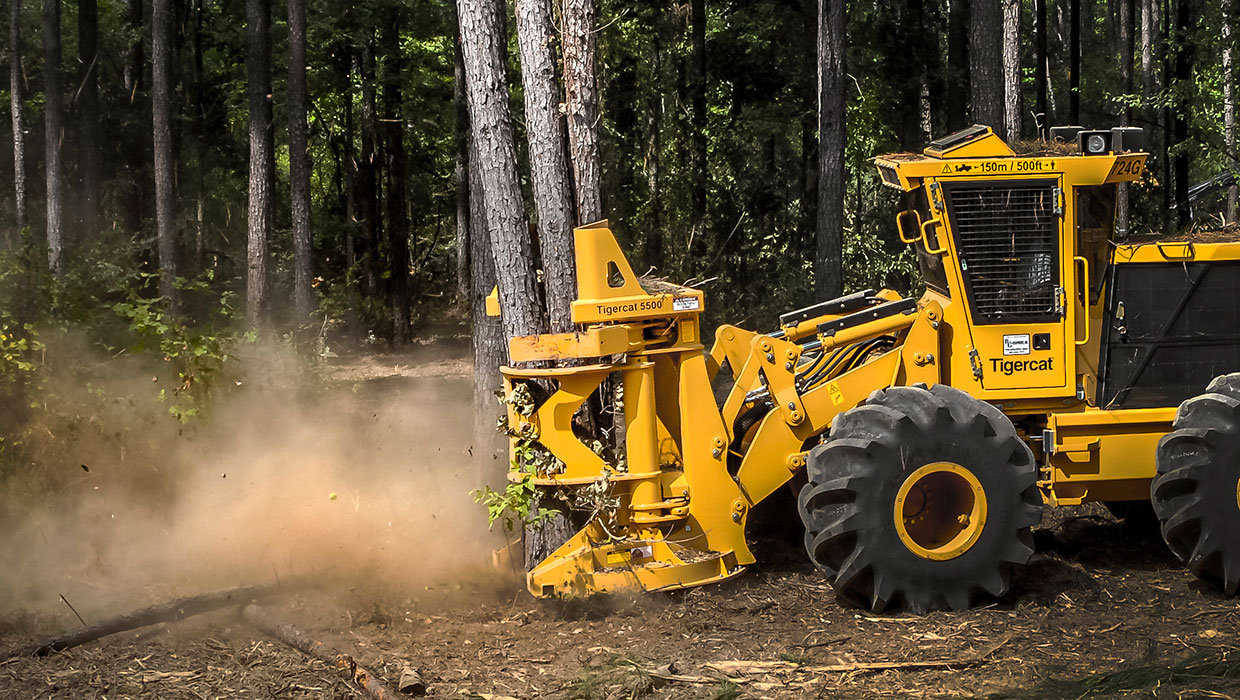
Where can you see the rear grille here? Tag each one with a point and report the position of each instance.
(1007, 236)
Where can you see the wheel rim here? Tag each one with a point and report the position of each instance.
(940, 511)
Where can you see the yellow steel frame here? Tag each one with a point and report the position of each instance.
(678, 516)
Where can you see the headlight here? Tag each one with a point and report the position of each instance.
(1094, 143)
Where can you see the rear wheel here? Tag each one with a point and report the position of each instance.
(1196, 493)
(922, 498)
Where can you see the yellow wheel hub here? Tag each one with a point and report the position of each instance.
(940, 511)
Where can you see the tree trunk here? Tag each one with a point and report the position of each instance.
(299, 161)
(1012, 73)
(986, 64)
(1148, 31)
(352, 65)
(88, 116)
(17, 112)
(652, 241)
(1229, 105)
(1126, 15)
(828, 266)
(162, 58)
(367, 176)
(548, 161)
(911, 67)
(258, 63)
(1183, 90)
(696, 78)
(461, 173)
(394, 153)
(1074, 61)
(490, 350)
(1040, 69)
(482, 44)
(135, 60)
(957, 64)
(581, 90)
(201, 147)
(53, 135)
(136, 193)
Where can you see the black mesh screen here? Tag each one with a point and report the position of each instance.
(1007, 234)
(1181, 329)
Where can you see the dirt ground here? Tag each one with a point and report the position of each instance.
(1102, 611)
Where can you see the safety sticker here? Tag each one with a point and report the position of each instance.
(837, 396)
(1017, 344)
(685, 304)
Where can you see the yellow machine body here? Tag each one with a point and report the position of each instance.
(664, 496)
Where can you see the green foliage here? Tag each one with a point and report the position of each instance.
(198, 355)
(20, 348)
(514, 506)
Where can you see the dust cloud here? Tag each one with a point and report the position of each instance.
(362, 481)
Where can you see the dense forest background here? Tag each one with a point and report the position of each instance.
(189, 175)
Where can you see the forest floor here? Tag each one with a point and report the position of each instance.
(1102, 611)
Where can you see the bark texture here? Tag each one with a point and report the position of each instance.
(482, 43)
(1126, 17)
(1011, 70)
(986, 64)
(17, 111)
(137, 194)
(258, 65)
(957, 64)
(828, 267)
(1229, 104)
(1074, 61)
(1185, 12)
(548, 160)
(490, 350)
(53, 133)
(87, 105)
(581, 90)
(162, 58)
(299, 161)
(460, 172)
(399, 303)
(367, 175)
(1040, 68)
(696, 79)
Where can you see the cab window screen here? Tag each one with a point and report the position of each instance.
(1007, 236)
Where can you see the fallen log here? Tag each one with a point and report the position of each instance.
(342, 662)
(172, 611)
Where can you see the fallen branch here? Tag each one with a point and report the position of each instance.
(299, 640)
(178, 609)
(763, 667)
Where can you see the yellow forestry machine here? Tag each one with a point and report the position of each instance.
(1046, 364)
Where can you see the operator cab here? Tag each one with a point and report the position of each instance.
(1015, 246)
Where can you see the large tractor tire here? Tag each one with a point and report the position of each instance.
(1196, 493)
(920, 498)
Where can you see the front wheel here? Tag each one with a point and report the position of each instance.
(920, 498)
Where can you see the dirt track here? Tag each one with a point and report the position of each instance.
(1103, 611)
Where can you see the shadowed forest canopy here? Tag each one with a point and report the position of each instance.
(159, 183)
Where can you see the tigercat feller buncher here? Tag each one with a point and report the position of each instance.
(1046, 364)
